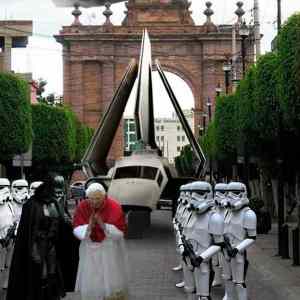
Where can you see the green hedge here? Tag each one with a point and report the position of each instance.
(15, 116)
(54, 134)
(59, 137)
(288, 44)
(225, 127)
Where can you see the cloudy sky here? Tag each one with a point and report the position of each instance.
(43, 56)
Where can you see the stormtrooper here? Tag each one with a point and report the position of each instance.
(33, 186)
(180, 207)
(6, 229)
(183, 215)
(220, 200)
(6, 219)
(239, 235)
(20, 194)
(205, 234)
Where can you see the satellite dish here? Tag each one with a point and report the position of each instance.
(83, 3)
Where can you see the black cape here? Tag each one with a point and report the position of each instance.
(24, 279)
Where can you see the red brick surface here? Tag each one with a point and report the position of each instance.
(95, 57)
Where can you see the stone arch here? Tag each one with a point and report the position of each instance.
(95, 57)
(183, 74)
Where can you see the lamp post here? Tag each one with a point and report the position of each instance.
(227, 70)
(244, 33)
(208, 104)
(218, 90)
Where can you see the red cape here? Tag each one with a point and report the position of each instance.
(111, 213)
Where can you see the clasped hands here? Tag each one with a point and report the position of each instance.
(96, 219)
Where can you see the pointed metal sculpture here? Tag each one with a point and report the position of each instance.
(94, 159)
(144, 115)
(195, 145)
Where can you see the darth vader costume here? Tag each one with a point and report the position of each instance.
(45, 258)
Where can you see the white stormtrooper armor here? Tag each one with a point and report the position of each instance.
(19, 191)
(4, 190)
(205, 232)
(20, 194)
(220, 199)
(239, 234)
(183, 216)
(6, 223)
(33, 186)
(180, 207)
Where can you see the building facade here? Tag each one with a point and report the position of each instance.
(169, 135)
(95, 57)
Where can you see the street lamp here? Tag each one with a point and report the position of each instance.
(208, 104)
(244, 33)
(227, 70)
(218, 90)
(204, 115)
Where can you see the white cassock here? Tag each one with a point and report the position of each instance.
(103, 266)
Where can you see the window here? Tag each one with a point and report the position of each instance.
(162, 138)
(157, 138)
(136, 172)
(148, 172)
(178, 138)
(132, 137)
(128, 172)
(157, 128)
(178, 149)
(162, 150)
(131, 127)
(162, 127)
(183, 138)
(178, 128)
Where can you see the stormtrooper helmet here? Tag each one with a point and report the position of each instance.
(33, 186)
(19, 191)
(221, 194)
(202, 196)
(187, 194)
(181, 194)
(237, 195)
(4, 190)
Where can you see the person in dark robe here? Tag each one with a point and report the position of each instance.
(40, 249)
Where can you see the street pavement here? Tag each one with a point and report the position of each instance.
(151, 260)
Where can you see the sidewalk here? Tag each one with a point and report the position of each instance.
(277, 272)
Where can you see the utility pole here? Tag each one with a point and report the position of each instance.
(257, 29)
(278, 15)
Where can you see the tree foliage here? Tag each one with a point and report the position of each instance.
(288, 48)
(60, 139)
(54, 135)
(15, 116)
(225, 127)
(208, 141)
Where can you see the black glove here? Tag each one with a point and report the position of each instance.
(196, 262)
(234, 252)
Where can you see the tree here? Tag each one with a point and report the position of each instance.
(15, 116)
(266, 107)
(54, 139)
(288, 49)
(226, 128)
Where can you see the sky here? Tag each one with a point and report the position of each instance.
(43, 56)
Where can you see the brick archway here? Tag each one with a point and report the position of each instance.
(95, 57)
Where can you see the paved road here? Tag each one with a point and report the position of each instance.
(153, 256)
